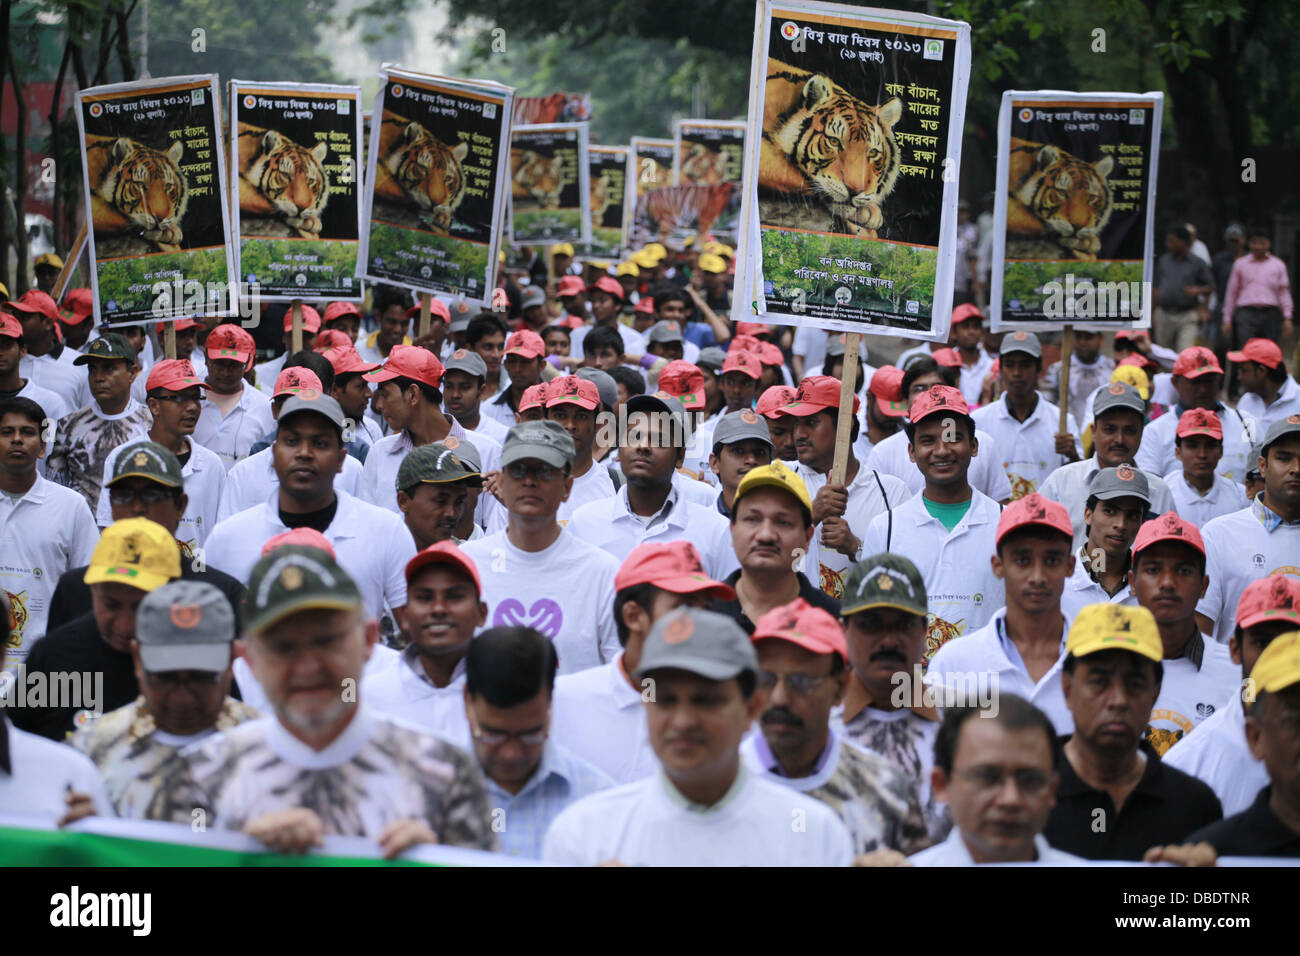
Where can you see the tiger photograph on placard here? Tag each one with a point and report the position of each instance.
(550, 199)
(712, 153)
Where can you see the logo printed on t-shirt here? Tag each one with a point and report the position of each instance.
(545, 616)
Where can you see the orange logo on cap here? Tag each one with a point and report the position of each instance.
(748, 417)
(459, 354)
(1117, 388)
(186, 616)
(1125, 472)
(1293, 419)
(679, 630)
(308, 394)
(451, 441)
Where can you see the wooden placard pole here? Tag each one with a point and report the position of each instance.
(169, 339)
(849, 378)
(426, 301)
(70, 264)
(1067, 349)
(295, 339)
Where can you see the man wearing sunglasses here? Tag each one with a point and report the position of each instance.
(509, 678)
(537, 573)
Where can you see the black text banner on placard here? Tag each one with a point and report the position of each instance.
(549, 199)
(1075, 213)
(712, 153)
(606, 182)
(854, 139)
(154, 177)
(296, 159)
(435, 183)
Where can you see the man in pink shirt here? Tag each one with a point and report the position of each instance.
(1257, 303)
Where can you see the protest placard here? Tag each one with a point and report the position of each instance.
(549, 199)
(607, 179)
(710, 153)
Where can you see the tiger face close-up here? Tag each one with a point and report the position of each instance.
(417, 169)
(137, 191)
(1057, 204)
(703, 167)
(537, 179)
(819, 140)
(282, 180)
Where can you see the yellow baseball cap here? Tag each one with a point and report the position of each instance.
(720, 249)
(656, 249)
(1132, 375)
(775, 475)
(628, 268)
(1279, 666)
(4, 290)
(48, 259)
(712, 262)
(562, 249)
(645, 259)
(1111, 627)
(136, 552)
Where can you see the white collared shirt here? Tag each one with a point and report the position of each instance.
(268, 372)
(46, 532)
(231, 436)
(565, 591)
(1239, 549)
(405, 691)
(986, 475)
(600, 717)
(1224, 497)
(610, 524)
(253, 480)
(1028, 448)
(972, 377)
(70, 382)
(988, 662)
(41, 774)
(204, 477)
(1218, 755)
(372, 545)
(54, 407)
(962, 591)
(1081, 590)
(649, 823)
(1253, 409)
(1156, 453)
(379, 480)
(953, 852)
(1068, 486)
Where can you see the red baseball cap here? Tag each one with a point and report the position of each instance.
(525, 343)
(684, 382)
(1141, 361)
(608, 284)
(297, 381)
(1033, 509)
(34, 300)
(948, 358)
(331, 338)
(409, 361)
(303, 537)
(753, 329)
(570, 322)
(817, 393)
(571, 390)
(444, 552)
(670, 566)
(742, 360)
(887, 387)
(800, 623)
(936, 399)
(78, 305)
(964, 313)
(175, 375)
(336, 309)
(1197, 361)
(228, 341)
(310, 319)
(534, 396)
(10, 327)
(1168, 527)
(769, 354)
(437, 308)
(181, 325)
(1263, 351)
(772, 403)
(644, 304)
(570, 285)
(1199, 421)
(743, 342)
(1274, 598)
(348, 359)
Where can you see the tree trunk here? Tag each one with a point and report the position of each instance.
(124, 44)
(20, 179)
(77, 37)
(105, 45)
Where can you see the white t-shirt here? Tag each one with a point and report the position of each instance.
(231, 435)
(1218, 755)
(595, 485)
(1224, 497)
(649, 823)
(1239, 550)
(565, 591)
(1261, 416)
(54, 407)
(986, 474)
(1188, 694)
(1028, 448)
(489, 426)
(599, 716)
(402, 690)
(953, 852)
(962, 591)
(42, 772)
(204, 477)
(46, 532)
(253, 480)
(70, 382)
(372, 545)
(1156, 453)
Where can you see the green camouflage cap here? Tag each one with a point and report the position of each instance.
(436, 464)
(147, 459)
(296, 578)
(884, 580)
(110, 345)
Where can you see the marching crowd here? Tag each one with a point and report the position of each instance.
(575, 580)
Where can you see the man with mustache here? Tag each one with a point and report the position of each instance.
(1118, 502)
(433, 490)
(1116, 800)
(803, 673)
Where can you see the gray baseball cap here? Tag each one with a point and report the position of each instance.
(1122, 482)
(711, 358)
(321, 404)
(741, 425)
(1022, 341)
(185, 626)
(467, 361)
(606, 387)
(665, 330)
(1283, 426)
(702, 642)
(1118, 395)
(544, 440)
(1252, 461)
(533, 296)
(436, 464)
(467, 452)
(663, 402)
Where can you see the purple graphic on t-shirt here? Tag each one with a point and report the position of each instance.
(545, 616)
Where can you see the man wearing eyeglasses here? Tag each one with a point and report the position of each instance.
(174, 395)
(509, 678)
(802, 674)
(537, 573)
